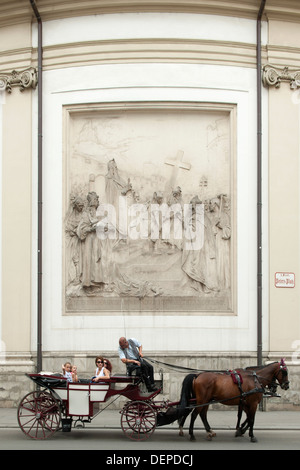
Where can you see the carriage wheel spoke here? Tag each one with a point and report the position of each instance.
(39, 415)
(138, 420)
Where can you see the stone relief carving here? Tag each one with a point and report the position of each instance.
(135, 231)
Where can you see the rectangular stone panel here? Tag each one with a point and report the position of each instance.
(149, 205)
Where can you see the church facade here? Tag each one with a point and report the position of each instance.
(150, 186)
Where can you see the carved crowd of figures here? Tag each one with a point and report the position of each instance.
(90, 260)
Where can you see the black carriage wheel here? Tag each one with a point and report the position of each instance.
(39, 415)
(138, 420)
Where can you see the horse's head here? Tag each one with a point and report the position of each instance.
(282, 375)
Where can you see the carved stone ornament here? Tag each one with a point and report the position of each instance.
(273, 76)
(22, 79)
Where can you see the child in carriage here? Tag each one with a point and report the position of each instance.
(70, 372)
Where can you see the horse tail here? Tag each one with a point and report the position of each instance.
(186, 393)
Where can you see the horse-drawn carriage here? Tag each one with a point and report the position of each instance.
(59, 404)
(56, 403)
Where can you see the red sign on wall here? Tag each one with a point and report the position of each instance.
(285, 280)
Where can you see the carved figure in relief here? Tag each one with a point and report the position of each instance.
(73, 243)
(94, 263)
(199, 260)
(220, 218)
(175, 202)
(114, 184)
(157, 221)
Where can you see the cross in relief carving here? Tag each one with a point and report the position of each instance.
(177, 164)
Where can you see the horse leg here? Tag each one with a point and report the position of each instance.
(209, 432)
(241, 429)
(244, 426)
(238, 431)
(250, 419)
(181, 422)
(191, 428)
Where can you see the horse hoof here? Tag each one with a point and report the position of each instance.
(210, 435)
(181, 433)
(253, 439)
(238, 433)
(192, 438)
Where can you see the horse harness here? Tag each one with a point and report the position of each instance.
(259, 388)
(238, 380)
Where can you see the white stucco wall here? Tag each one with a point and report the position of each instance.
(151, 82)
(2, 344)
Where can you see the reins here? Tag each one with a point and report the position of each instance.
(181, 368)
(242, 395)
(199, 371)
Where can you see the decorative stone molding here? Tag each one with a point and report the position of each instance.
(23, 79)
(273, 76)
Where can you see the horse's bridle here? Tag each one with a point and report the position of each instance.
(275, 380)
(283, 370)
(272, 386)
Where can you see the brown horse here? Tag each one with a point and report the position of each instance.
(270, 388)
(219, 387)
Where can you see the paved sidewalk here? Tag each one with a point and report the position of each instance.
(273, 420)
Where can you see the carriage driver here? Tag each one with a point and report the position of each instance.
(130, 353)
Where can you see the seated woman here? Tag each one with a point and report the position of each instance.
(107, 365)
(103, 369)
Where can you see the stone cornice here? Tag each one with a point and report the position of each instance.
(149, 50)
(20, 11)
(22, 79)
